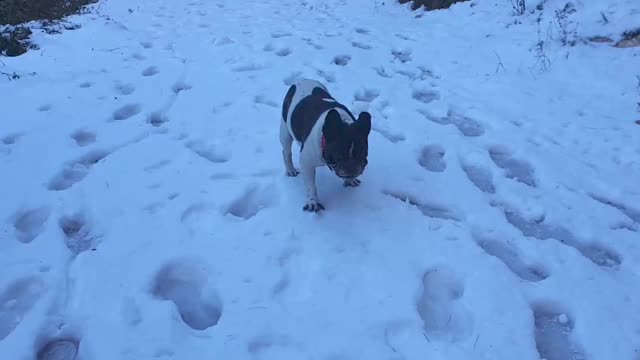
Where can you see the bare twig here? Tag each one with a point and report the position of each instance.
(426, 337)
(500, 64)
(476, 342)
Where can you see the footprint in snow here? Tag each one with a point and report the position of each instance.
(553, 330)
(248, 67)
(74, 171)
(83, 137)
(478, 173)
(366, 95)
(146, 44)
(283, 52)
(466, 126)
(439, 306)
(125, 88)
(30, 223)
(382, 72)
(45, 107)
(342, 60)
(425, 96)
(16, 301)
(402, 55)
(183, 283)
(292, 78)
(268, 47)
(507, 254)
(157, 118)
(428, 210)
(179, 86)
(517, 169)
(632, 213)
(65, 348)
(262, 99)
(362, 31)
(126, 111)
(253, 200)
(86, 84)
(541, 230)
(156, 166)
(359, 45)
(432, 158)
(78, 236)
(150, 71)
(11, 139)
(208, 152)
(327, 76)
(280, 34)
(393, 137)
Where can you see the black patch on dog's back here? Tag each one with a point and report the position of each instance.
(307, 112)
(287, 102)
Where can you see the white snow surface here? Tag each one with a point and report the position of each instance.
(145, 212)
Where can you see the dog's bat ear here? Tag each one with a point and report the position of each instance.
(332, 124)
(364, 122)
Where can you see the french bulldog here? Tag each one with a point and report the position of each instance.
(327, 133)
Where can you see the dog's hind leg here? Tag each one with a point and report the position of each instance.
(287, 141)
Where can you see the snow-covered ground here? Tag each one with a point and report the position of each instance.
(145, 213)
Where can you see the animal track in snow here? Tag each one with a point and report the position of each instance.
(552, 334)
(208, 152)
(156, 166)
(508, 255)
(127, 111)
(180, 86)
(392, 137)
(150, 71)
(425, 96)
(440, 308)
(45, 107)
(183, 283)
(77, 233)
(382, 72)
(157, 118)
(292, 78)
(432, 158)
(252, 201)
(366, 95)
(146, 44)
(59, 349)
(11, 139)
(401, 55)
(429, 210)
(466, 126)
(75, 171)
(86, 84)
(268, 47)
(341, 60)
(125, 88)
(283, 52)
(224, 41)
(16, 301)
(514, 168)
(248, 67)
(261, 99)
(280, 34)
(359, 45)
(327, 76)
(540, 230)
(83, 137)
(479, 175)
(630, 212)
(362, 31)
(29, 223)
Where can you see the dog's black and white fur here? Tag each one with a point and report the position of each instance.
(328, 134)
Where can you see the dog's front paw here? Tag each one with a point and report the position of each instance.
(352, 182)
(293, 172)
(313, 207)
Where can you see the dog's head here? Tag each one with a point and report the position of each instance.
(346, 144)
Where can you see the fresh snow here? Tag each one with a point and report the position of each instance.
(145, 213)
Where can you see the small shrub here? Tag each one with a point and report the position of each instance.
(430, 4)
(15, 12)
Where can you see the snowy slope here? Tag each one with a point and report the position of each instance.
(146, 215)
